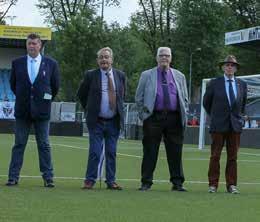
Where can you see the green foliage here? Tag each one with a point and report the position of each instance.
(183, 25)
(200, 24)
(75, 48)
(247, 12)
(130, 55)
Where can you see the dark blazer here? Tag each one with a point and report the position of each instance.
(215, 102)
(30, 102)
(89, 94)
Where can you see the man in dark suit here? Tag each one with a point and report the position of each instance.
(224, 102)
(35, 82)
(162, 101)
(101, 94)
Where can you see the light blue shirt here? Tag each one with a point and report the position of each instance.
(105, 110)
(227, 87)
(38, 60)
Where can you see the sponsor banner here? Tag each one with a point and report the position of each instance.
(243, 35)
(21, 32)
(6, 110)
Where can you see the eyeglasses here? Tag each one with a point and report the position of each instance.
(164, 55)
(104, 57)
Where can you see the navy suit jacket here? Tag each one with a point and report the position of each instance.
(215, 102)
(89, 94)
(30, 102)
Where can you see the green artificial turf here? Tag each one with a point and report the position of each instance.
(30, 201)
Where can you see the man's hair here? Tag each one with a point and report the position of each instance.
(162, 49)
(34, 36)
(105, 49)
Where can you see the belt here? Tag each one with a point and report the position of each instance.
(105, 119)
(165, 112)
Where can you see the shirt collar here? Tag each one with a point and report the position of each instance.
(37, 58)
(105, 71)
(226, 78)
(160, 70)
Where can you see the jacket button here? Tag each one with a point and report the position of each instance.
(32, 87)
(31, 97)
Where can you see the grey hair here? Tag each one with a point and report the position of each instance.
(163, 48)
(105, 49)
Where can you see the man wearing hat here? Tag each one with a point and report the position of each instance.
(224, 102)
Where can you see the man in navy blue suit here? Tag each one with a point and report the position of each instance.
(225, 101)
(35, 82)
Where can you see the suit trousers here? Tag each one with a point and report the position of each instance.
(22, 130)
(166, 125)
(232, 140)
(103, 136)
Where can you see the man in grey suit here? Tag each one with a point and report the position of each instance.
(162, 102)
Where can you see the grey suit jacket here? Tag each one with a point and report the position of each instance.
(146, 93)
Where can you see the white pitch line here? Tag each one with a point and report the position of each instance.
(131, 180)
(140, 157)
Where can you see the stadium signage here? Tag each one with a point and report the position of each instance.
(243, 35)
(21, 32)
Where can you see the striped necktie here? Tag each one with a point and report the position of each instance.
(111, 92)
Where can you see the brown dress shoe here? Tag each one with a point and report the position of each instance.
(114, 186)
(88, 185)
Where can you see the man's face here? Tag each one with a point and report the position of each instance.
(229, 69)
(164, 58)
(105, 60)
(33, 47)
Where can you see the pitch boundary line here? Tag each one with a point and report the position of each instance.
(130, 180)
(140, 157)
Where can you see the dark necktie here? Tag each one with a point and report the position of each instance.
(166, 96)
(232, 97)
(111, 93)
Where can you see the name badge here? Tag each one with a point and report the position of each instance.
(47, 96)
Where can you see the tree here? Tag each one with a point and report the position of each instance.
(7, 4)
(75, 48)
(154, 22)
(131, 55)
(200, 23)
(247, 12)
(59, 13)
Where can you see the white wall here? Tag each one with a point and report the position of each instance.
(8, 54)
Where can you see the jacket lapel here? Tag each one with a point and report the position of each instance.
(98, 81)
(238, 89)
(177, 81)
(154, 80)
(25, 69)
(116, 79)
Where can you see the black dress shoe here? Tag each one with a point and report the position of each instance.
(145, 187)
(11, 183)
(178, 188)
(49, 183)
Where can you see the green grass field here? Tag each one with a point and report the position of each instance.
(30, 201)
